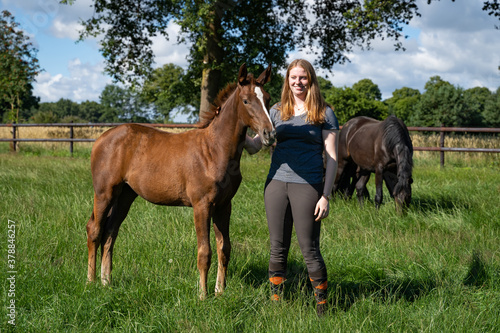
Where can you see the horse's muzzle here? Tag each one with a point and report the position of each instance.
(267, 137)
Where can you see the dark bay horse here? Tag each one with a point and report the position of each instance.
(198, 168)
(370, 146)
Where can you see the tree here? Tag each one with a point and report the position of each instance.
(403, 102)
(225, 33)
(122, 105)
(476, 99)
(44, 117)
(166, 89)
(442, 104)
(18, 67)
(491, 113)
(90, 111)
(350, 103)
(368, 89)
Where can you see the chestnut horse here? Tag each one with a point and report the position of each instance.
(384, 147)
(199, 168)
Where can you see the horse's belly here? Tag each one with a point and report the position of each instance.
(159, 192)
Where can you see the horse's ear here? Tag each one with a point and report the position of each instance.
(242, 76)
(265, 76)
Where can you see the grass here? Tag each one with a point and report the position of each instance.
(82, 149)
(437, 269)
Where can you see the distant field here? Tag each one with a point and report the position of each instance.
(418, 139)
(437, 269)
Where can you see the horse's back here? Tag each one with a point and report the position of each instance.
(152, 162)
(163, 168)
(361, 139)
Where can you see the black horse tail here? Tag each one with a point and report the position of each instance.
(398, 142)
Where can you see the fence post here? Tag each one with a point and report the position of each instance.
(14, 136)
(441, 144)
(71, 135)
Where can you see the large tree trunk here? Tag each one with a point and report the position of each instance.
(214, 56)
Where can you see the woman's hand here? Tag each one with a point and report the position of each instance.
(322, 208)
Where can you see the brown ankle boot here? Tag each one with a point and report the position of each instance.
(320, 294)
(277, 287)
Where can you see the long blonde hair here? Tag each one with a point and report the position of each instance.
(315, 103)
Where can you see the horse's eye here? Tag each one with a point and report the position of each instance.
(245, 101)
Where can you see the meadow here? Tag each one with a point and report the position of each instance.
(436, 269)
(82, 149)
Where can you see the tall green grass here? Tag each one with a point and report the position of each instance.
(437, 269)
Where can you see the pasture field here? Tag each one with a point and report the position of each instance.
(436, 269)
(83, 148)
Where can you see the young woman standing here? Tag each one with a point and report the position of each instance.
(301, 176)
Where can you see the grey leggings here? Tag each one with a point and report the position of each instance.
(288, 205)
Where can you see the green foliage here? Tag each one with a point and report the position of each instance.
(18, 68)
(491, 114)
(403, 102)
(90, 111)
(168, 89)
(224, 34)
(349, 103)
(442, 104)
(368, 89)
(434, 270)
(122, 105)
(44, 117)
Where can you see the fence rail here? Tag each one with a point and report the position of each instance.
(441, 148)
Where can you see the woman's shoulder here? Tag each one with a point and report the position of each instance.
(275, 108)
(331, 118)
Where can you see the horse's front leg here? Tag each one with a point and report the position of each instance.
(379, 179)
(221, 218)
(202, 216)
(361, 179)
(95, 227)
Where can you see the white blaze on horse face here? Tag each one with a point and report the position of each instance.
(260, 96)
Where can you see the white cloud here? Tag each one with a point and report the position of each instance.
(62, 29)
(85, 82)
(169, 51)
(457, 41)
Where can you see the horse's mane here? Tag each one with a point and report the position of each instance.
(223, 95)
(396, 133)
(397, 139)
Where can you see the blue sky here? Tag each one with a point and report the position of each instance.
(455, 40)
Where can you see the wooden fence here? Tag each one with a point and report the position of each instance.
(71, 139)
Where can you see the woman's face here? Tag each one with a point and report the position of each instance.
(297, 80)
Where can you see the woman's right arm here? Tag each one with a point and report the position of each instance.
(253, 145)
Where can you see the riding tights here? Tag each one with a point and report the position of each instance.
(288, 205)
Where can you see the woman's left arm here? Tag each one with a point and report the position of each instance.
(330, 139)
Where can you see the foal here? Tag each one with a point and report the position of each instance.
(199, 168)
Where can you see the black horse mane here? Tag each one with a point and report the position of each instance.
(397, 140)
(396, 133)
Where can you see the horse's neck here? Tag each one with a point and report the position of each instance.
(226, 129)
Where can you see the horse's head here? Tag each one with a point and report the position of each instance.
(402, 194)
(254, 102)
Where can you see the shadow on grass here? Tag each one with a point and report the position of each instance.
(386, 290)
(438, 204)
(343, 294)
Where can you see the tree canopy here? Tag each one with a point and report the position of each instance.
(225, 33)
(18, 68)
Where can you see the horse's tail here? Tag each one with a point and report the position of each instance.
(397, 140)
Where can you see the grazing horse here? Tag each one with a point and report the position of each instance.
(384, 147)
(199, 168)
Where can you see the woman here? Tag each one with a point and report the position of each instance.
(297, 189)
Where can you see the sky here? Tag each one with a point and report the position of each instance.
(454, 40)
